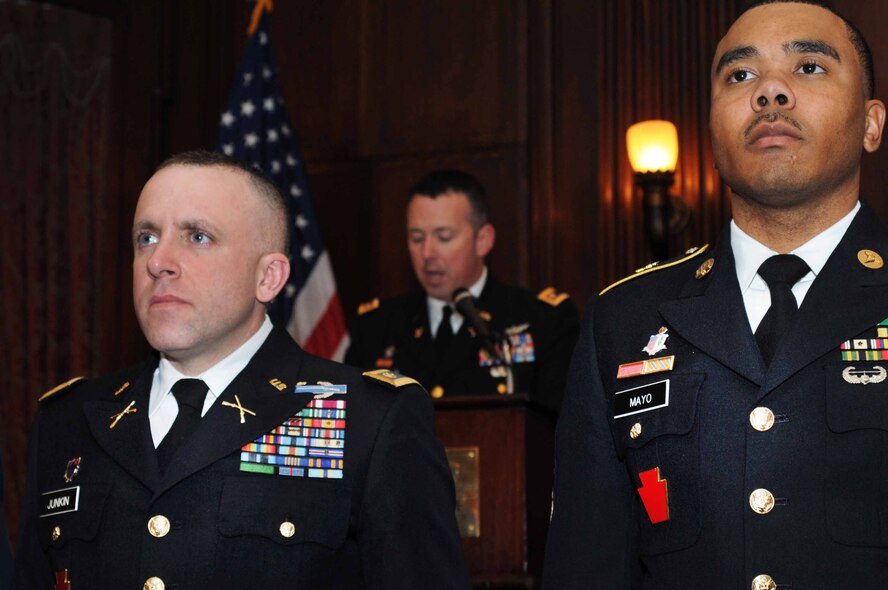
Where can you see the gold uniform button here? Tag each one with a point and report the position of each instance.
(761, 501)
(762, 419)
(159, 526)
(502, 388)
(56, 533)
(153, 583)
(635, 431)
(288, 529)
(437, 391)
(763, 582)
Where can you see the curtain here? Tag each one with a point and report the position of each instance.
(55, 67)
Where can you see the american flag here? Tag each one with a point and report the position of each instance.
(256, 129)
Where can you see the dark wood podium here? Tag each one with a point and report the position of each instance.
(500, 448)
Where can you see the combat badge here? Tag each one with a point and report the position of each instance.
(321, 389)
(656, 342)
(855, 376)
(654, 492)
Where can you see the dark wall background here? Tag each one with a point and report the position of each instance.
(531, 96)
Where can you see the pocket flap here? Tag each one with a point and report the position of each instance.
(268, 506)
(71, 512)
(642, 412)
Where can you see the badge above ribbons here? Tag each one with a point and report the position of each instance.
(309, 444)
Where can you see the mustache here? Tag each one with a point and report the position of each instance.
(771, 117)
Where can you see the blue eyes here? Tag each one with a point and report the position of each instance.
(145, 239)
(200, 238)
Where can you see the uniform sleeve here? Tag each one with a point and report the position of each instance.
(31, 570)
(409, 537)
(563, 327)
(591, 541)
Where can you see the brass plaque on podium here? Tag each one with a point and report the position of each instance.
(464, 467)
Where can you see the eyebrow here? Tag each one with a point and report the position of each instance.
(798, 46)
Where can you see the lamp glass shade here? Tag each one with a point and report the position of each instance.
(652, 146)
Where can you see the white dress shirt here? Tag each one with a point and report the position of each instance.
(436, 306)
(162, 405)
(749, 255)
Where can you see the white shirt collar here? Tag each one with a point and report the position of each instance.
(218, 377)
(436, 306)
(749, 254)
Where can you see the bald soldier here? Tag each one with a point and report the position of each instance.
(232, 458)
(753, 457)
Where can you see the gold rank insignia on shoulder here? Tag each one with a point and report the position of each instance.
(552, 297)
(59, 388)
(368, 306)
(655, 266)
(390, 379)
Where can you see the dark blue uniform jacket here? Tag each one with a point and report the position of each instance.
(824, 459)
(387, 523)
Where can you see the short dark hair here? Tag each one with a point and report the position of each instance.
(441, 182)
(263, 185)
(864, 54)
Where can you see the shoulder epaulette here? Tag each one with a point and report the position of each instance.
(655, 266)
(552, 297)
(390, 379)
(59, 388)
(368, 306)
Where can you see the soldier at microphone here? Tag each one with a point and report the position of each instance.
(498, 336)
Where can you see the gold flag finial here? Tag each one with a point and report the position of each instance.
(261, 6)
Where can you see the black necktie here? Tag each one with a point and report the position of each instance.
(781, 272)
(444, 335)
(190, 395)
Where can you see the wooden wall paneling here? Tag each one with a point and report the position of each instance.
(578, 55)
(319, 47)
(443, 76)
(344, 206)
(870, 18)
(540, 125)
(656, 63)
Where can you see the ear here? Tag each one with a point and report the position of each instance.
(875, 122)
(484, 240)
(273, 271)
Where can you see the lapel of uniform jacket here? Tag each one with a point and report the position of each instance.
(418, 339)
(462, 355)
(845, 299)
(265, 387)
(129, 443)
(709, 313)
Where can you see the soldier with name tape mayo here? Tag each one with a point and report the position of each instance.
(726, 419)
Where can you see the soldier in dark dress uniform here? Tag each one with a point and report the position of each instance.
(726, 418)
(449, 236)
(233, 459)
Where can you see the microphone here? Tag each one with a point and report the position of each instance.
(464, 303)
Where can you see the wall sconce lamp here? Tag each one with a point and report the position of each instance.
(653, 153)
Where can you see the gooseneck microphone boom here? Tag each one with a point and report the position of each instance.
(464, 302)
